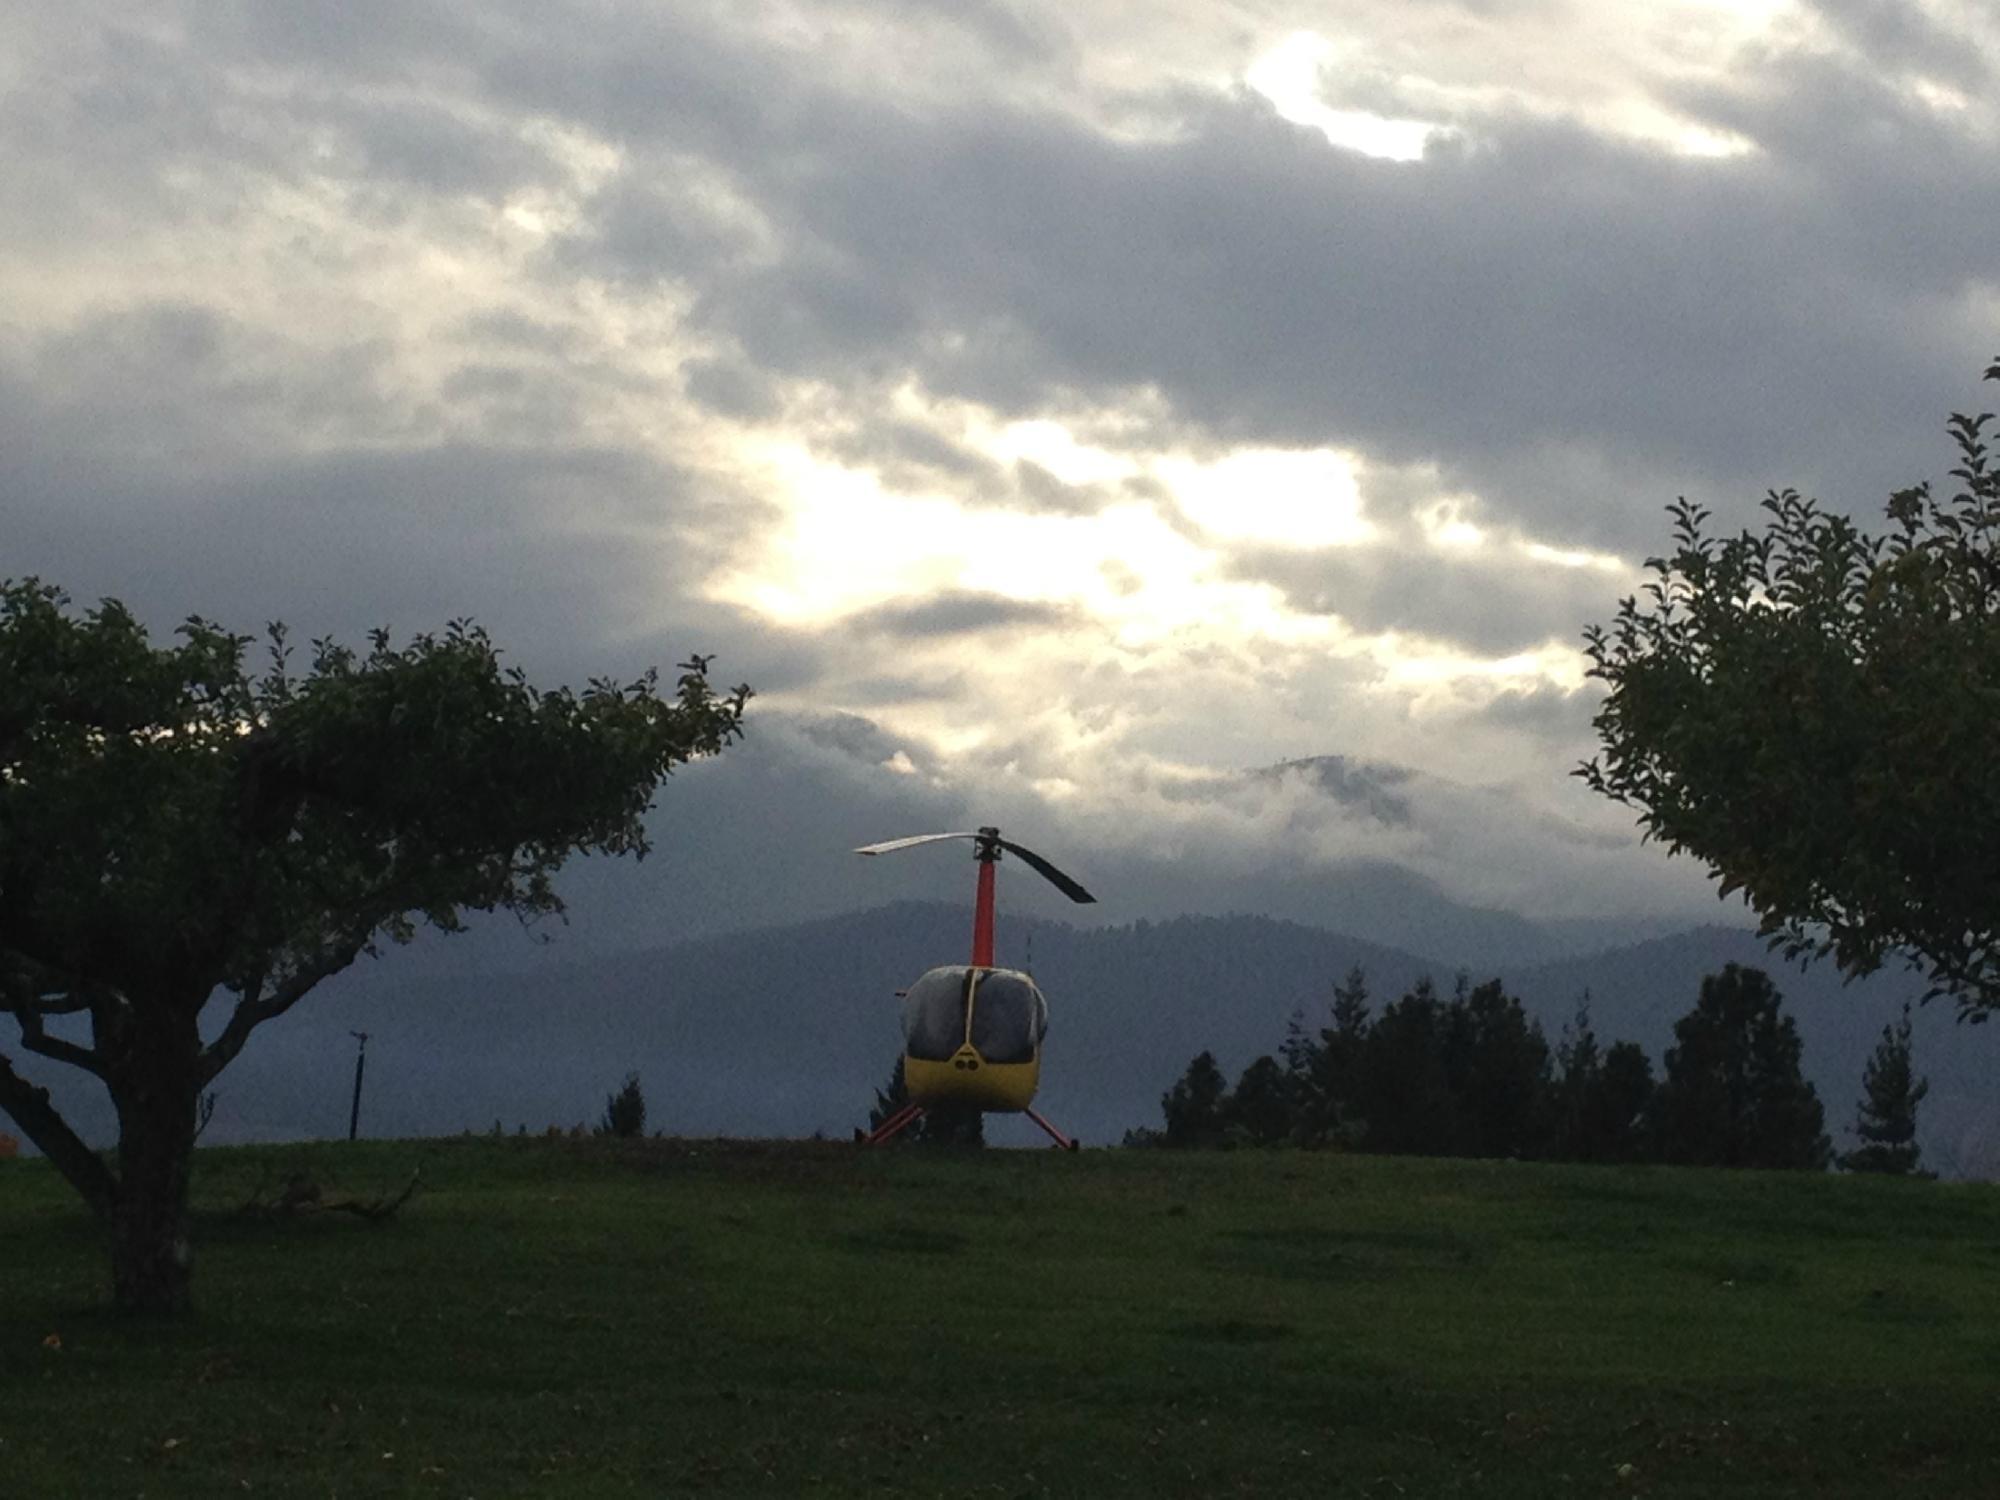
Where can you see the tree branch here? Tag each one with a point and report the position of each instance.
(29, 1013)
(70, 1004)
(255, 1008)
(55, 1047)
(30, 1108)
(28, 982)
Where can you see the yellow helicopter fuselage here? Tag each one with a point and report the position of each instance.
(971, 1081)
(973, 1038)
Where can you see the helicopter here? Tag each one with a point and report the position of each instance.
(972, 1033)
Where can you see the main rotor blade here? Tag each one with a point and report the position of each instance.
(910, 843)
(1048, 872)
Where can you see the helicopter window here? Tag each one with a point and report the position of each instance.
(1008, 1018)
(934, 1014)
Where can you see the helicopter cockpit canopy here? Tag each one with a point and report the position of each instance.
(1000, 1011)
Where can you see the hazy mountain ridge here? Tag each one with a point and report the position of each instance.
(788, 1030)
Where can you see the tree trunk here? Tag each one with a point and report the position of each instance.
(151, 1257)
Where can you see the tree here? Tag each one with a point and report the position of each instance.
(1808, 711)
(1301, 1051)
(1733, 1095)
(1620, 1106)
(1403, 1089)
(1599, 1099)
(1194, 1105)
(624, 1111)
(1496, 1064)
(1260, 1109)
(177, 832)
(1325, 1073)
(1886, 1120)
(1579, 1075)
(942, 1124)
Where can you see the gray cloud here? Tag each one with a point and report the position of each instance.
(955, 612)
(1373, 789)
(1547, 712)
(1490, 601)
(1045, 492)
(731, 388)
(1896, 34)
(910, 454)
(1572, 327)
(166, 456)
(1568, 325)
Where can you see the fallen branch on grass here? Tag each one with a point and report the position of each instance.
(302, 1195)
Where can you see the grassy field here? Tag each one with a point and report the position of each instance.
(664, 1318)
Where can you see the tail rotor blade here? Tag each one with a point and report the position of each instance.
(1048, 872)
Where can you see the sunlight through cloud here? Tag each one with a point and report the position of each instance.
(1293, 498)
(1289, 75)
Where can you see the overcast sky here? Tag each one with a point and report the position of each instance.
(1054, 410)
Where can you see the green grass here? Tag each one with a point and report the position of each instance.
(576, 1319)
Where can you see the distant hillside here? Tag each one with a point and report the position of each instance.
(788, 1031)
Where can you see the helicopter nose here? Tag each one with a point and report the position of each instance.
(966, 1060)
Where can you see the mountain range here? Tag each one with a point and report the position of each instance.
(788, 1030)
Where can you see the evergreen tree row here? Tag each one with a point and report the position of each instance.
(1474, 1075)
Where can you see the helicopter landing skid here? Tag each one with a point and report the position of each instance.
(1063, 1142)
(892, 1127)
(909, 1114)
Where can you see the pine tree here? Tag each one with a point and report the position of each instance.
(1401, 1085)
(1327, 1106)
(1733, 1095)
(1620, 1105)
(624, 1111)
(1886, 1119)
(1496, 1064)
(1579, 1075)
(1599, 1098)
(1260, 1110)
(1194, 1105)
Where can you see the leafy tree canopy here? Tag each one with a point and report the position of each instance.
(1809, 710)
(178, 830)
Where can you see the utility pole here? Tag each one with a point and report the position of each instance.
(360, 1062)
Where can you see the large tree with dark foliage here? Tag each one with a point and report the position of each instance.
(625, 1111)
(1887, 1118)
(1323, 1070)
(1620, 1105)
(1733, 1095)
(1464, 1077)
(1259, 1109)
(1405, 1094)
(1598, 1099)
(1194, 1106)
(1809, 711)
(178, 833)
(1497, 1065)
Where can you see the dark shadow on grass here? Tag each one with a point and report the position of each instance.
(1729, 1271)
(1899, 1306)
(1233, 1331)
(903, 1239)
(1335, 1255)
